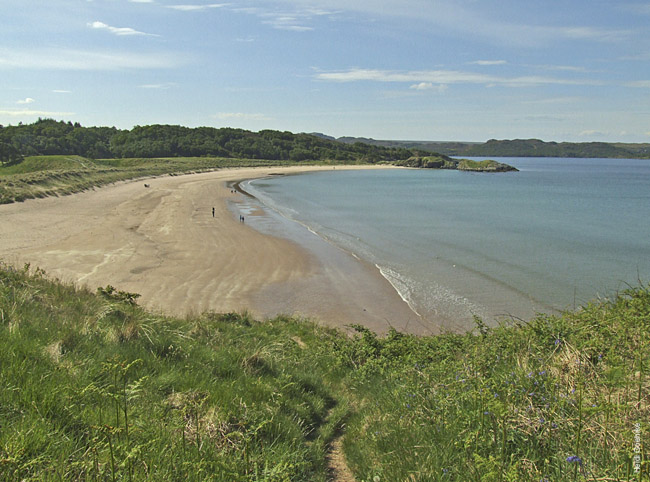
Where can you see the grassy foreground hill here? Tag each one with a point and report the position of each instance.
(93, 387)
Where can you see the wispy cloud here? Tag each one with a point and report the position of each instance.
(141, 1)
(446, 77)
(640, 84)
(453, 16)
(429, 86)
(562, 68)
(61, 91)
(120, 31)
(593, 133)
(161, 86)
(69, 59)
(298, 19)
(554, 100)
(488, 62)
(28, 100)
(34, 113)
(196, 8)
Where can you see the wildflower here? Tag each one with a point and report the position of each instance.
(542, 421)
(557, 341)
(554, 425)
(574, 459)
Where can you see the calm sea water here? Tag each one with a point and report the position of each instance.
(555, 235)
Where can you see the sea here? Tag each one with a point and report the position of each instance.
(458, 245)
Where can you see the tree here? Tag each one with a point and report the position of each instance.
(9, 155)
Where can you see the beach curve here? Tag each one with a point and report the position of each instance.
(165, 243)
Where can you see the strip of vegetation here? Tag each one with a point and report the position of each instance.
(517, 148)
(49, 137)
(42, 176)
(94, 387)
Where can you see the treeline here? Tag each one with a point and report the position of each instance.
(51, 137)
(517, 148)
(538, 148)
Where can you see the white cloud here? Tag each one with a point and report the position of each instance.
(120, 31)
(489, 62)
(59, 91)
(162, 86)
(28, 100)
(34, 113)
(194, 8)
(296, 20)
(445, 77)
(429, 86)
(83, 60)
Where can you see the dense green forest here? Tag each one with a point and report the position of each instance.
(51, 137)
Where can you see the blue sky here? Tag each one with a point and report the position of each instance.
(470, 70)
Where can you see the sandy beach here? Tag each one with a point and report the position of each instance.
(164, 242)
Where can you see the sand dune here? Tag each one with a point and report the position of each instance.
(163, 242)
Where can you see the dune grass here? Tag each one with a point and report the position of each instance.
(42, 176)
(92, 387)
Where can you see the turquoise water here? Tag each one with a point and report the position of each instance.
(555, 235)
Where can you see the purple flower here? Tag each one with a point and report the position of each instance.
(574, 459)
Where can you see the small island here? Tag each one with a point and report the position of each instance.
(439, 161)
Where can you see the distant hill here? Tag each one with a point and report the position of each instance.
(516, 148)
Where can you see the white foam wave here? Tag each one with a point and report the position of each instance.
(401, 285)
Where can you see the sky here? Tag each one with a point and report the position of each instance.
(436, 70)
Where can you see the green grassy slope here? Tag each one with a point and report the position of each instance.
(42, 176)
(92, 387)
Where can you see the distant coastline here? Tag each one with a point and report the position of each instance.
(515, 148)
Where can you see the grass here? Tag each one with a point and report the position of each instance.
(96, 388)
(42, 176)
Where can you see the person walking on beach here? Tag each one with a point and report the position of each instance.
(212, 212)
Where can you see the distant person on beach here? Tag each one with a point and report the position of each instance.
(212, 212)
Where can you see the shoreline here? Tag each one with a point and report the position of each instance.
(164, 243)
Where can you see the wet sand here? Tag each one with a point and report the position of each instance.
(163, 242)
